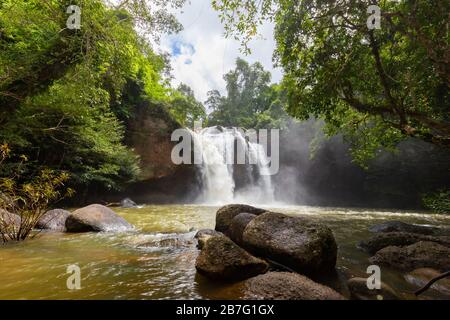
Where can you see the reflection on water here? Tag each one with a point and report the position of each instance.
(157, 260)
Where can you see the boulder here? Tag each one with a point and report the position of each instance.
(222, 259)
(298, 243)
(225, 215)
(359, 291)
(287, 286)
(420, 277)
(398, 226)
(128, 203)
(237, 226)
(96, 218)
(54, 220)
(422, 254)
(204, 235)
(384, 240)
(9, 219)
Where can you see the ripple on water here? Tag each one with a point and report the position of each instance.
(157, 260)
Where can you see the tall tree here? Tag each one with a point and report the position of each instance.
(377, 86)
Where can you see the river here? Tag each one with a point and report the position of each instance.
(151, 263)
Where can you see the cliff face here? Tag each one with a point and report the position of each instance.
(148, 133)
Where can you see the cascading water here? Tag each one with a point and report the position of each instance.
(225, 181)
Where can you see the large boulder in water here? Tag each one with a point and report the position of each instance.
(204, 235)
(360, 291)
(418, 255)
(398, 226)
(238, 225)
(222, 259)
(127, 203)
(298, 243)
(9, 220)
(54, 220)
(225, 215)
(399, 239)
(287, 286)
(96, 218)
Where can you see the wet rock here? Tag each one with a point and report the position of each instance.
(204, 235)
(287, 286)
(168, 242)
(418, 255)
(298, 243)
(96, 218)
(222, 259)
(237, 226)
(8, 219)
(384, 240)
(420, 277)
(127, 203)
(398, 226)
(54, 220)
(225, 215)
(360, 291)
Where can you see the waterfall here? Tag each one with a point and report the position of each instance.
(224, 181)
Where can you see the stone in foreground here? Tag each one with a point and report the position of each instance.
(398, 226)
(418, 255)
(238, 225)
(54, 220)
(399, 239)
(287, 286)
(9, 220)
(96, 218)
(301, 245)
(204, 235)
(225, 215)
(360, 291)
(222, 259)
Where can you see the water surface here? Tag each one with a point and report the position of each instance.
(157, 260)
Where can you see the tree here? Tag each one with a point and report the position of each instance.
(375, 86)
(61, 90)
(185, 108)
(251, 101)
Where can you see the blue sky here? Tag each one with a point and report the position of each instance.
(201, 55)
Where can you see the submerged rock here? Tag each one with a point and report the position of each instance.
(420, 277)
(203, 235)
(418, 255)
(398, 226)
(384, 240)
(302, 245)
(9, 219)
(287, 286)
(222, 259)
(96, 218)
(225, 215)
(128, 203)
(54, 220)
(359, 291)
(237, 226)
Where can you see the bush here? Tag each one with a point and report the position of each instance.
(438, 202)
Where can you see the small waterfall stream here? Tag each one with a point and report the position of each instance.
(224, 181)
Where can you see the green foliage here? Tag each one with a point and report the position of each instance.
(438, 202)
(185, 108)
(251, 101)
(383, 84)
(28, 200)
(62, 91)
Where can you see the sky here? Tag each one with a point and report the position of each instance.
(201, 55)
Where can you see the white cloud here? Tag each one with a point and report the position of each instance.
(202, 53)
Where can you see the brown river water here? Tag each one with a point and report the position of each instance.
(157, 260)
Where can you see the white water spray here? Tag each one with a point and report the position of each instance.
(216, 146)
